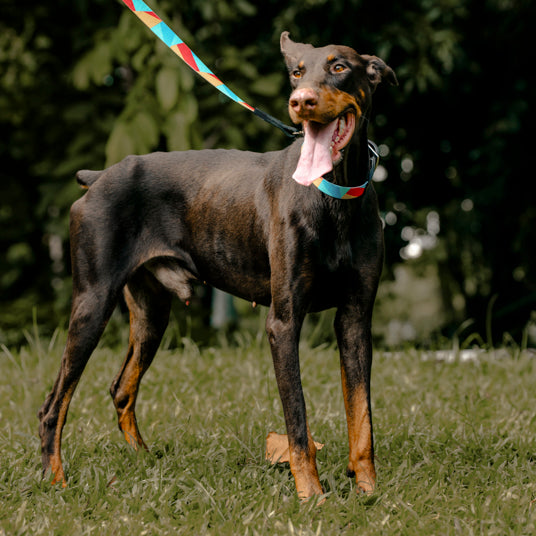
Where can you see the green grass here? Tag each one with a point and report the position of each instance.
(455, 446)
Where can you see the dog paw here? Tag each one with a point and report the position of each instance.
(365, 477)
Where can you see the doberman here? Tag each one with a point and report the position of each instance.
(152, 225)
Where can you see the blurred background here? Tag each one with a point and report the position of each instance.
(84, 83)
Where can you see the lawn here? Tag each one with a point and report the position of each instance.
(455, 446)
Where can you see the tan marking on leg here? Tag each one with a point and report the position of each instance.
(129, 426)
(304, 471)
(359, 436)
(56, 465)
(129, 384)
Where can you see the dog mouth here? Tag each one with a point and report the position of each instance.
(343, 132)
(322, 147)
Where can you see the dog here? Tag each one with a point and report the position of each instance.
(262, 226)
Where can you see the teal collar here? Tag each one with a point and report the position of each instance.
(350, 192)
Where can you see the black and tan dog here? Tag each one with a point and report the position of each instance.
(253, 225)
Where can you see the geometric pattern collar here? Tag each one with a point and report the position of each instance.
(350, 192)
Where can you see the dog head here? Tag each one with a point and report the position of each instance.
(332, 88)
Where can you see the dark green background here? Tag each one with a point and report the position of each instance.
(82, 83)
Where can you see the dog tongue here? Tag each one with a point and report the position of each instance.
(315, 159)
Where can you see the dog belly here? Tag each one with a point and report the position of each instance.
(238, 268)
(252, 289)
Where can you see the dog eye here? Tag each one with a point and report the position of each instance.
(296, 73)
(339, 68)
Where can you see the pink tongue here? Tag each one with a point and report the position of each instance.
(315, 159)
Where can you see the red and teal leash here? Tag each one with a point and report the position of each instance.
(177, 45)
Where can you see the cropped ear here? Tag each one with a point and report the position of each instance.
(292, 51)
(377, 71)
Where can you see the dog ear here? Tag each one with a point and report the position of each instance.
(377, 71)
(292, 51)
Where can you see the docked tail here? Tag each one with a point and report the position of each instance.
(85, 178)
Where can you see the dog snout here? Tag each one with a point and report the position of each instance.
(303, 100)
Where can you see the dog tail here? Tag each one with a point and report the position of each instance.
(85, 178)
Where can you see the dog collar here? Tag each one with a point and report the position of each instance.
(350, 192)
(339, 192)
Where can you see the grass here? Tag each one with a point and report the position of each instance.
(455, 446)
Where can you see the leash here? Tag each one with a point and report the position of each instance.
(177, 45)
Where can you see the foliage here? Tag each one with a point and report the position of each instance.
(84, 89)
(452, 450)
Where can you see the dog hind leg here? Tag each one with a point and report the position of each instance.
(149, 307)
(89, 315)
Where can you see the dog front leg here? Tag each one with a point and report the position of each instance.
(283, 336)
(355, 346)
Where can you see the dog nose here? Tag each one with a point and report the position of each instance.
(303, 99)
